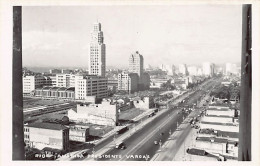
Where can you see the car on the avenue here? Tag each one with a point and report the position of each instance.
(120, 145)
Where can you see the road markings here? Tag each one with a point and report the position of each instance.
(146, 138)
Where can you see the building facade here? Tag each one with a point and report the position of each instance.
(55, 93)
(30, 83)
(90, 86)
(42, 135)
(65, 80)
(105, 113)
(136, 64)
(97, 57)
(78, 133)
(128, 82)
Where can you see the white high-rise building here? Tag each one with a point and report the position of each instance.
(128, 82)
(208, 69)
(183, 69)
(231, 68)
(167, 68)
(136, 64)
(97, 57)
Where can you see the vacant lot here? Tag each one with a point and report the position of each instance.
(30, 102)
(130, 114)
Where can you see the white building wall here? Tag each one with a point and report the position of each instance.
(41, 138)
(211, 146)
(90, 86)
(142, 104)
(28, 84)
(102, 114)
(32, 82)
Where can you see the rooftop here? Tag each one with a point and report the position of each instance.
(220, 116)
(45, 88)
(51, 126)
(219, 109)
(219, 133)
(215, 139)
(218, 123)
(212, 139)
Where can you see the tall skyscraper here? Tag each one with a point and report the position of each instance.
(136, 79)
(136, 64)
(208, 69)
(97, 57)
(183, 69)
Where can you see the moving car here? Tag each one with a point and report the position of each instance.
(120, 145)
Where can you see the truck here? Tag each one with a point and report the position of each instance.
(155, 110)
(122, 130)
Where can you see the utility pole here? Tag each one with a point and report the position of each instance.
(93, 152)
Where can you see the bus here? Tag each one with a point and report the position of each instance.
(122, 130)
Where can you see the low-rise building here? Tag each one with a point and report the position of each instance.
(218, 145)
(218, 133)
(143, 103)
(215, 118)
(105, 113)
(79, 133)
(229, 127)
(56, 93)
(157, 82)
(42, 135)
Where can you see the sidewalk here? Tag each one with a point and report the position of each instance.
(171, 148)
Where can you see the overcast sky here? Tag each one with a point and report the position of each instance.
(60, 36)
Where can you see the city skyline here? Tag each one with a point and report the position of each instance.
(55, 35)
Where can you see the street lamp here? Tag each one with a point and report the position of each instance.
(114, 138)
(93, 153)
(160, 143)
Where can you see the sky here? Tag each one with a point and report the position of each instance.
(59, 36)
